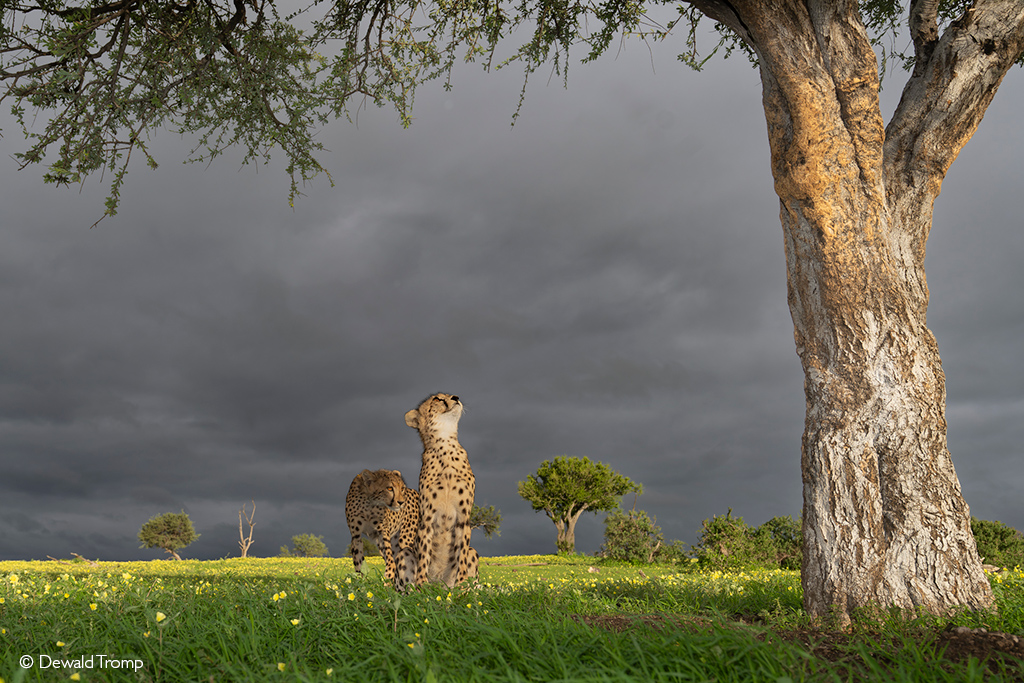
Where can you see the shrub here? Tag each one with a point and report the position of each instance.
(634, 537)
(998, 543)
(487, 519)
(305, 545)
(170, 531)
(729, 543)
(631, 536)
(787, 536)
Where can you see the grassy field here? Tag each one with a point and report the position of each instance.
(540, 618)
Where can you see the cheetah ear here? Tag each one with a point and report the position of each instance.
(397, 473)
(412, 418)
(366, 476)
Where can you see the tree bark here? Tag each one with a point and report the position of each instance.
(884, 521)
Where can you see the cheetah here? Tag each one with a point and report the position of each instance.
(380, 507)
(447, 487)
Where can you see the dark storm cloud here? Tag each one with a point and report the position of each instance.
(604, 279)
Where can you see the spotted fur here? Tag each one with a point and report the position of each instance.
(447, 489)
(381, 508)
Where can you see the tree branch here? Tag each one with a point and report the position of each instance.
(924, 29)
(942, 104)
(724, 12)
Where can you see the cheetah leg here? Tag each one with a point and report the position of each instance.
(356, 548)
(472, 564)
(405, 569)
(424, 541)
(468, 559)
(389, 558)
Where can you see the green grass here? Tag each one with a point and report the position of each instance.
(314, 620)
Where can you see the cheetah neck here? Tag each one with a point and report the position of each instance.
(445, 448)
(438, 434)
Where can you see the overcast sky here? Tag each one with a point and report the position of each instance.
(605, 279)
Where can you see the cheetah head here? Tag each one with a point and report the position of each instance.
(439, 414)
(384, 488)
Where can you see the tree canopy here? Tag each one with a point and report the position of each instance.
(305, 545)
(170, 531)
(253, 75)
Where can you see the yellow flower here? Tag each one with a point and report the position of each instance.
(329, 672)
(60, 643)
(160, 616)
(92, 606)
(75, 677)
(280, 666)
(295, 622)
(351, 596)
(146, 634)
(412, 645)
(369, 595)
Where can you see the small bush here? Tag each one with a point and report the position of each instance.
(631, 537)
(998, 543)
(634, 537)
(305, 545)
(729, 543)
(487, 519)
(787, 536)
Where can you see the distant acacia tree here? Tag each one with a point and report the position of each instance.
(170, 531)
(565, 488)
(486, 519)
(305, 545)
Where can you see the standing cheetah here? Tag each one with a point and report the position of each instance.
(447, 487)
(381, 508)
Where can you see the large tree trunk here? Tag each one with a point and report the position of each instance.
(884, 520)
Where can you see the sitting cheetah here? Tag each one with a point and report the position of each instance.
(447, 487)
(381, 508)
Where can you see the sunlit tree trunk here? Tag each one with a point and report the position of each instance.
(566, 527)
(884, 521)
